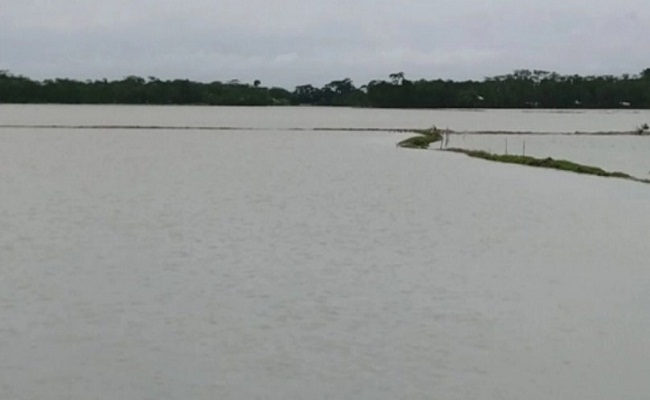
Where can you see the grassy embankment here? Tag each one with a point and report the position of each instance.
(426, 137)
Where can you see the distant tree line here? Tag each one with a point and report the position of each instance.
(137, 90)
(520, 89)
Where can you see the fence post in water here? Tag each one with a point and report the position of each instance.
(506, 146)
(523, 151)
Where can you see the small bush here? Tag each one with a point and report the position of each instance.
(423, 140)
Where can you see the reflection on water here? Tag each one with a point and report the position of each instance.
(275, 264)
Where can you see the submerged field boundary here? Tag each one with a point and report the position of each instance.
(308, 129)
(425, 137)
(206, 128)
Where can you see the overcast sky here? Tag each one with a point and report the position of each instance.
(291, 42)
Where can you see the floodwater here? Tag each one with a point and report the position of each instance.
(325, 117)
(277, 264)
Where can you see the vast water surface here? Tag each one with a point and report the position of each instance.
(275, 264)
(325, 117)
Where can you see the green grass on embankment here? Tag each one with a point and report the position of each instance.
(547, 162)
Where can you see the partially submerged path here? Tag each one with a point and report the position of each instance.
(425, 137)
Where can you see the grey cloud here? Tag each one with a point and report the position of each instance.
(289, 42)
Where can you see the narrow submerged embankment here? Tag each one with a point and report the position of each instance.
(202, 128)
(425, 137)
(548, 162)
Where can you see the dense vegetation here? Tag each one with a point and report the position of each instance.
(521, 89)
(137, 90)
